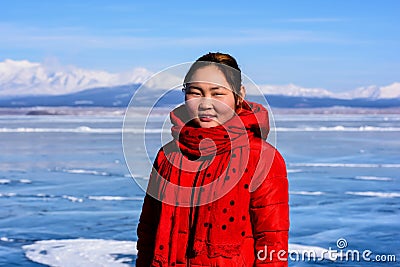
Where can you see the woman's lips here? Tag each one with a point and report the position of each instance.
(206, 118)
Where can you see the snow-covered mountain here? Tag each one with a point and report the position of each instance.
(370, 92)
(27, 78)
(294, 90)
(374, 92)
(21, 78)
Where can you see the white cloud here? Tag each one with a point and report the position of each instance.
(61, 38)
(311, 20)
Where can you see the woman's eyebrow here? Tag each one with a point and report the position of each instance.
(216, 87)
(194, 87)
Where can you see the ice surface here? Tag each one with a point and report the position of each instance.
(307, 193)
(375, 194)
(82, 252)
(113, 253)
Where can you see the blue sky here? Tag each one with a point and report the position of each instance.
(337, 45)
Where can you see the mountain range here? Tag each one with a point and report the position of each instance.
(21, 78)
(24, 83)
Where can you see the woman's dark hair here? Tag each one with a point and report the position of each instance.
(226, 64)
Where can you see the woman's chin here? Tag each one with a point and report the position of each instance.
(206, 123)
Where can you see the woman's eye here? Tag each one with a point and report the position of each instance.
(219, 93)
(193, 93)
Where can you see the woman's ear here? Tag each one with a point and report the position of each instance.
(242, 91)
(240, 97)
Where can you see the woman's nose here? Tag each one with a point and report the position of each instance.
(205, 103)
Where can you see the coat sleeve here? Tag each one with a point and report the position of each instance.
(147, 227)
(269, 211)
(146, 231)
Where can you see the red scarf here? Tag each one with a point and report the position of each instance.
(200, 167)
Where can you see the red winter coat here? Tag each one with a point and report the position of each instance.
(216, 197)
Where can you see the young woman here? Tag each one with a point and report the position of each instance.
(218, 192)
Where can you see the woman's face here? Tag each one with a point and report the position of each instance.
(209, 99)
